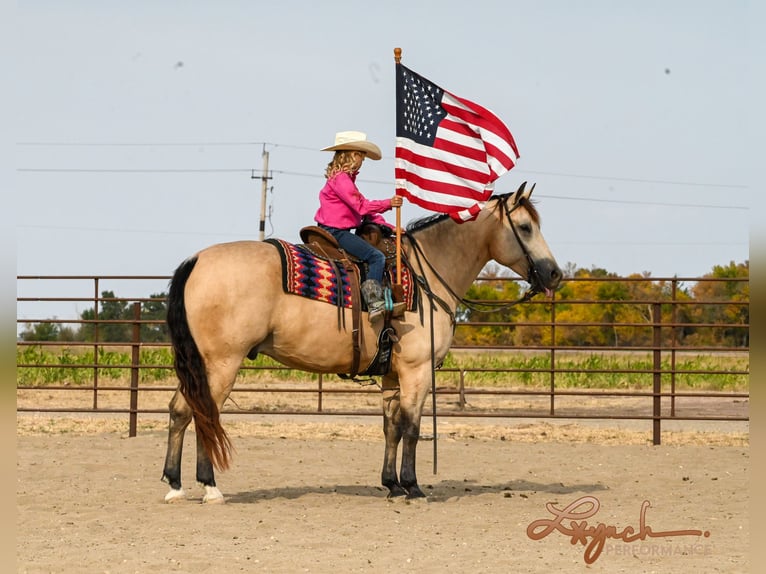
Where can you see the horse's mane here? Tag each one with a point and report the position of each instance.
(424, 222)
(431, 220)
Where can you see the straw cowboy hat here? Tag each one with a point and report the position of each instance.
(355, 141)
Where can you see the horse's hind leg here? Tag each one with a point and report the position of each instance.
(180, 417)
(221, 381)
(206, 475)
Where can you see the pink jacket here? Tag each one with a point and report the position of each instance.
(341, 205)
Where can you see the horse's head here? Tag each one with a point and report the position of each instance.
(521, 246)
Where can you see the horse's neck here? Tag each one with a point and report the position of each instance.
(457, 252)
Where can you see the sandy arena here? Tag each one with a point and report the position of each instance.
(303, 495)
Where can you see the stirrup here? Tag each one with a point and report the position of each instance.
(396, 309)
(375, 314)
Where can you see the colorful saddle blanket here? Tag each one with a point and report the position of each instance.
(314, 277)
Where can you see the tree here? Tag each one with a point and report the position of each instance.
(156, 309)
(111, 309)
(40, 332)
(717, 289)
(495, 286)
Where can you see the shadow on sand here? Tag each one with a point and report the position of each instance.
(442, 491)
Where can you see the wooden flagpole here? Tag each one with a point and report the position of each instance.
(398, 60)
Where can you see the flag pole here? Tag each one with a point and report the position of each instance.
(398, 60)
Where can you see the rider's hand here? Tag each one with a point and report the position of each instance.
(396, 201)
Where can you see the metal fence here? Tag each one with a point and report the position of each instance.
(651, 372)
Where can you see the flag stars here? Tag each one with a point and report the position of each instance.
(421, 108)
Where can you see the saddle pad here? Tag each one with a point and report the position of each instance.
(307, 275)
(314, 277)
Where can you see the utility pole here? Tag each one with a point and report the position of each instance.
(264, 188)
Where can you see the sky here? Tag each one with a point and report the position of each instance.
(140, 127)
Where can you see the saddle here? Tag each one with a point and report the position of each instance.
(323, 244)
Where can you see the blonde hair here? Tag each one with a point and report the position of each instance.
(342, 160)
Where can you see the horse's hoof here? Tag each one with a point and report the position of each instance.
(395, 493)
(415, 494)
(212, 496)
(175, 495)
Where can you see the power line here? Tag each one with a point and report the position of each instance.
(366, 181)
(138, 144)
(312, 149)
(639, 180)
(143, 231)
(660, 203)
(229, 234)
(131, 170)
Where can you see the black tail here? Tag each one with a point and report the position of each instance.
(190, 368)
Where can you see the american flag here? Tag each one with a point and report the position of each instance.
(449, 151)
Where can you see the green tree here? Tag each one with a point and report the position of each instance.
(494, 287)
(155, 309)
(111, 308)
(40, 332)
(717, 289)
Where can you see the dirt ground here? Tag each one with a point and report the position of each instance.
(304, 496)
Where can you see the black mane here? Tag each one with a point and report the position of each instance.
(430, 220)
(424, 222)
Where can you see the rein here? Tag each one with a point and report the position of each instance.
(473, 305)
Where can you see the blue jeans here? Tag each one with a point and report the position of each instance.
(358, 247)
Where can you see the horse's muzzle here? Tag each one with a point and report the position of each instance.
(545, 276)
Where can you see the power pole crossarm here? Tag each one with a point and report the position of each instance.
(264, 187)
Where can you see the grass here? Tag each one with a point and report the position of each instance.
(581, 369)
(613, 371)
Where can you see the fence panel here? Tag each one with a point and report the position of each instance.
(670, 357)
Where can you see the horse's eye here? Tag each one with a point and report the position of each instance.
(526, 227)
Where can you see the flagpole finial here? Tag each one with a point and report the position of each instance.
(398, 55)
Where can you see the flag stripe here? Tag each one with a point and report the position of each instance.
(501, 152)
(453, 167)
(449, 150)
(494, 123)
(407, 178)
(435, 201)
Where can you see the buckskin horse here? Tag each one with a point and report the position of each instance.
(227, 302)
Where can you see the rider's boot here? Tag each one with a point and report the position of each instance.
(373, 297)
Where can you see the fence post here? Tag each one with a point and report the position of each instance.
(319, 393)
(95, 343)
(553, 354)
(135, 366)
(673, 342)
(657, 376)
(461, 391)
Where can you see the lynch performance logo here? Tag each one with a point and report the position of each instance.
(571, 521)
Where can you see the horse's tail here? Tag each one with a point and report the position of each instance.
(190, 368)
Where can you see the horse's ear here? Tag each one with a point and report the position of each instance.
(518, 193)
(528, 193)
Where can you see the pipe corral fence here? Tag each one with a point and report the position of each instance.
(124, 367)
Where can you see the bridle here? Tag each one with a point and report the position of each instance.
(533, 278)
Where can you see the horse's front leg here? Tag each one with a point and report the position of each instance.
(393, 433)
(180, 417)
(414, 393)
(410, 432)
